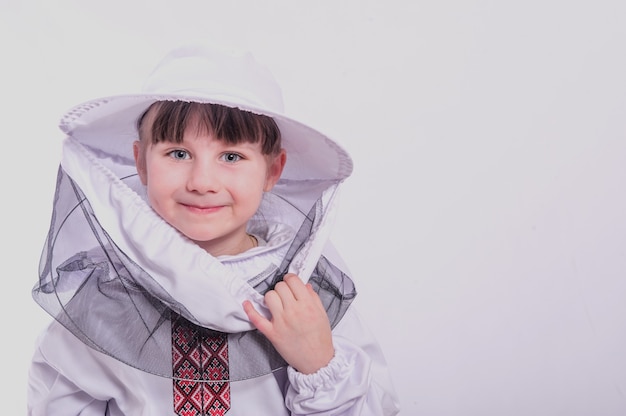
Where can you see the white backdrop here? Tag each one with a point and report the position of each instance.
(485, 224)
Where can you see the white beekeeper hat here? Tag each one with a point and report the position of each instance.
(199, 73)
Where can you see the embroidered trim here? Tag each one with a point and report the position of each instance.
(200, 370)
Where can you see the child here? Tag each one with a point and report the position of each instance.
(187, 264)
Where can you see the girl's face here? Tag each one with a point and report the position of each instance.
(207, 189)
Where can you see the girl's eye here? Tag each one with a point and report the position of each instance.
(231, 157)
(179, 154)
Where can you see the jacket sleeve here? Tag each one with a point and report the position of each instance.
(52, 394)
(66, 378)
(355, 382)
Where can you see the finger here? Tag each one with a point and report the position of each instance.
(283, 290)
(297, 287)
(312, 293)
(274, 301)
(259, 321)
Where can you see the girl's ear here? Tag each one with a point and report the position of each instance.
(275, 169)
(140, 161)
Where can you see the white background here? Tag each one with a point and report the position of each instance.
(485, 223)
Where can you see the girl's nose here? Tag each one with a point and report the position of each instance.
(203, 178)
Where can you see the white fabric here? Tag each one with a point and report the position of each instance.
(86, 382)
(200, 74)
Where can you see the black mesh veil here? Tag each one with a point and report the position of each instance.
(89, 285)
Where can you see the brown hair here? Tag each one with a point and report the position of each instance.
(170, 119)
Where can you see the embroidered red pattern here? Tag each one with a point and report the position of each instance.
(199, 354)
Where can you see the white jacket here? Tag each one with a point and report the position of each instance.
(113, 271)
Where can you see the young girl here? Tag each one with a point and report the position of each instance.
(187, 264)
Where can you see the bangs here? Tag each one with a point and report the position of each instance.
(168, 121)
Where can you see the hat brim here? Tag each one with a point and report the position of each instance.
(108, 125)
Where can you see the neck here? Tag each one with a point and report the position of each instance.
(231, 247)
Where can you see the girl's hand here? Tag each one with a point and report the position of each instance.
(299, 328)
